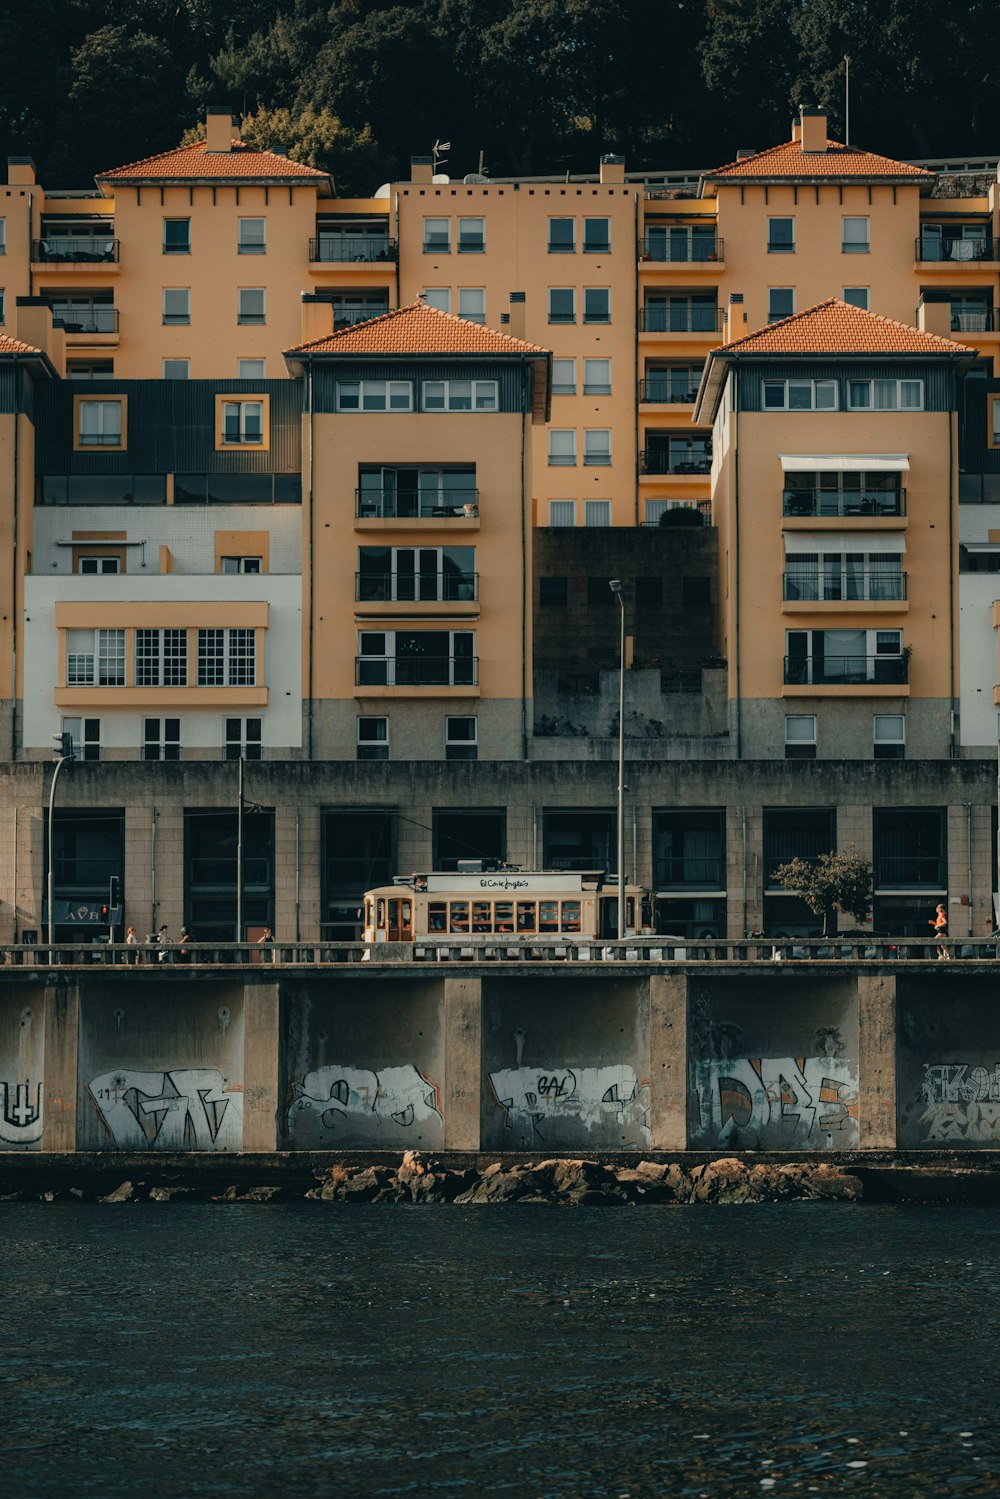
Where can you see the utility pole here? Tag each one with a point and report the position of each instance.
(64, 750)
(239, 852)
(616, 588)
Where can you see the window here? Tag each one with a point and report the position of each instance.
(461, 739)
(995, 424)
(910, 848)
(90, 369)
(781, 236)
(800, 395)
(251, 305)
(438, 296)
(689, 849)
(86, 736)
(3, 305)
(471, 236)
(3, 236)
(579, 837)
(241, 564)
(241, 739)
(161, 739)
(564, 377)
(597, 377)
(250, 369)
(93, 564)
(889, 736)
(596, 236)
(885, 395)
(596, 304)
(780, 303)
(562, 447)
(472, 303)
(176, 236)
(95, 658)
(374, 395)
(176, 369)
(227, 658)
(176, 305)
(412, 658)
(844, 657)
(460, 395)
(252, 237)
(562, 236)
(855, 237)
(597, 447)
(437, 236)
(373, 739)
(161, 658)
(99, 424)
(243, 421)
(553, 592)
(468, 833)
(655, 511)
(562, 304)
(800, 736)
(850, 575)
(597, 513)
(562, 512)
(857, 296)
(421, 574)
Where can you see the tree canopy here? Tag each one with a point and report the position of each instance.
(832, 882)
(535, 85)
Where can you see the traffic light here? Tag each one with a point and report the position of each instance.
(63, 746)
(104, 913)
(114, 892)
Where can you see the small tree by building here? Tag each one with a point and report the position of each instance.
(833, 882)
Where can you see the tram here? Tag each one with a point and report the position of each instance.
(512, 905)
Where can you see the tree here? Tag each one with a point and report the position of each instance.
(833, 882)
(749, 60)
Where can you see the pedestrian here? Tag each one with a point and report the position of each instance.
(939, 921)
(164, 943)
(264, 943)
(131, 940)
(183, 954)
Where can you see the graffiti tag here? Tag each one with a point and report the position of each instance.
(394, 1105)
(20, 1113)
(187, 1108)
(564, 1106)
(774, 1103)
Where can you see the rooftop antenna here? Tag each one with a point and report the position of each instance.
(437, 151)
(847, 101)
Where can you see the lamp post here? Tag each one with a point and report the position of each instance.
(616, 588)
(64, 750)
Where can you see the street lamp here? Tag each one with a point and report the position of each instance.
(63, 748)
(615, 584)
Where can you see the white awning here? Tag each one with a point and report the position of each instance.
(836, 463)
(844, 541)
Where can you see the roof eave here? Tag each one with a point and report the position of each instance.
(323, 184)
(824, 179)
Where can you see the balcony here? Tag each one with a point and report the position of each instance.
(934, 250)
(416, 671)
(66, 250)
(96, 319)
(657, 318)
(654, 461)
(661, 389)
(423, 588)
(678, 250)
(832, 586)
(978, 320)
(382, 504)
(352, 249)
(846, 671)
(803, 503)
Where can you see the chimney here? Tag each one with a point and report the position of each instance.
(20, 171)
(35, 327)
(812, 128)
(317, 317)
(515, 319)
(796, 130)
(421, 168)
(612, 169)
(219, 128)
(745, 152)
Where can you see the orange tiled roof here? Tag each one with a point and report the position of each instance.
(191, 162)
(836, 327)
(15, 346)
(418, 329)
(788, 160)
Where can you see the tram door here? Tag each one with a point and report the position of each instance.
(400, 920)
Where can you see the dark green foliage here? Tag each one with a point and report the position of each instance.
(833, 882)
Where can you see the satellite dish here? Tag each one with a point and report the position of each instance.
(475, 177)
(441, 179)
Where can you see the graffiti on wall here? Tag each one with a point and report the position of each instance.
(396, 1105)
(560, 1106)
(20, 1114)
(960, 1101)
(778, 1103)
(187, 1108)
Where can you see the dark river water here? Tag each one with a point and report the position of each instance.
(800, 1348)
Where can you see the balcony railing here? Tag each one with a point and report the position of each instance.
(416, 671)
(679, 873)
(910, 869)
(422, 588)
(975, 320)
(347, 317)
(844, 502)
(854, 671)
(391, 505)
(957, 251)
(660, 388)
(826, 587)
(98, 319)
(67, 248)
(652, 461)
(654, 318)
(357, 249)
(677, 251)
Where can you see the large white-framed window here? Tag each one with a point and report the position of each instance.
(855, 236)
(597, 447)
(252, 237)
(781, 236)
(100, 424)
(417, 658)
(86, 736)
(438, 297)
(800, 736)
(562, 236)
(596, 304)
(885, 395)
(242, 422)
(161, 658)
(564, 377)
(375, 395)
(562, 512)
(227, 658)
(800, 395)
(472, 303)
(596, 236)
(597, 512)
(251, 304)
(597, 377)
(161, 739)
(372, 738)
(461, 395)
(562, 304)
(471, 236)
(176, 306)
(839, 576)
(424, 574)
(461, 737)
(437, 236)
(92, 563)
(889, 736)
(241, 739)
(95, 658)
(241, 564)
(562, 447)
(780, 303)
(844, 657)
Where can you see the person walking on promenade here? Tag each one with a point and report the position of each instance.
(131, 940)
(939, 921)
(164, 943)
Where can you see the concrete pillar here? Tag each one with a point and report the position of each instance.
(261, 1080)
(62, 1021)
(877, 1061)
(668, 1061)
(463, 1062)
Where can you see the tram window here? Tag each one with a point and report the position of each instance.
(571, 915)
(437, 916)
(504, 915)
(548, 916)
(526, 915)
(630, 912)
(368, 913)
(404, 907)
(459, 916)
(380, 909)
(482, 916)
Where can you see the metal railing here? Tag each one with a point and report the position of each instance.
(843, 502)
(964, 319)
(676, 251)
(665, 391)
(682, 873)
(349, 317)
(96, 319)
(902, 871)
(375, 504)
(352, 248)
(68, 248)
(416, 671)
(957, 251)
(422, 588)
(652, 461)
(659, 318)
(824, 586)
(847, 671)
